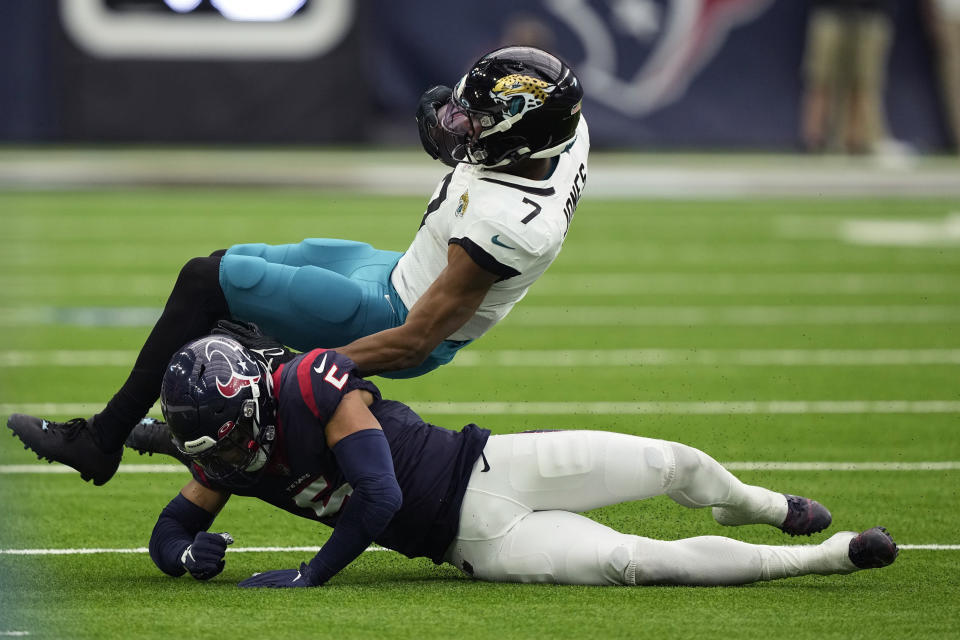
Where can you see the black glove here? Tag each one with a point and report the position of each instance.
(431, 99)
(271, 352)
(204, 558)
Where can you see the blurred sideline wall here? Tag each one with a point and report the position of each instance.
(688, 74)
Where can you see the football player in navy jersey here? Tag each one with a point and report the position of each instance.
(512, 132)
(317, 440)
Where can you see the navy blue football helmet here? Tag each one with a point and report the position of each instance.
(514, 103)
(217, 399)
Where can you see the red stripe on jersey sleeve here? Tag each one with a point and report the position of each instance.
(276, 382)
(305, 383)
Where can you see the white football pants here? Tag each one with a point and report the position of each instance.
(517, 523)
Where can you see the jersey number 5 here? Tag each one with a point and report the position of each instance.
(318, 497)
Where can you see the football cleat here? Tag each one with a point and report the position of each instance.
(71, 443)
(872, 549)
(804, 516)
(152, 436)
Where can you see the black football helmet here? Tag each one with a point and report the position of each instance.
(514, 103)
(217, 399)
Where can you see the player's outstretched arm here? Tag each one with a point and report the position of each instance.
(362, 452)
(180, 541)
(446, 306)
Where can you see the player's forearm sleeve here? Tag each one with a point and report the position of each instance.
(364, 457)
(179, 523)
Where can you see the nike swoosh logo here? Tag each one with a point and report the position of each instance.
(319, 368)
(298, 577)
(496, 240)
(486, 465)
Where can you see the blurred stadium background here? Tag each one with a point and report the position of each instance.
(794, 314)
(84, 82)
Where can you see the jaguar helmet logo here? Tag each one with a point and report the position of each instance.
(519, 93)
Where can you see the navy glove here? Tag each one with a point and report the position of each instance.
(281, 578)
(432, 98)
(204, 558)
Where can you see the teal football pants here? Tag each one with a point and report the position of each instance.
(319, 293)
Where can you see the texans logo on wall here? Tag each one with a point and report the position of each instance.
(641, 55)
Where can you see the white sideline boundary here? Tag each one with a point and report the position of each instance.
(618, 408)
(943, 465)
(138, 550)
(571, 357)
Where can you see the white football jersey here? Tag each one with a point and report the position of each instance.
(509, 225)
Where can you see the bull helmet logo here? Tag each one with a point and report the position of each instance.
(244, 372)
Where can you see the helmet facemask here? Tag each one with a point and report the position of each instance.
(241, 450)
(458, 133)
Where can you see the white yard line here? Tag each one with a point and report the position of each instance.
(725, 284)
(32, 286)
(775, 407)
(695, 357)
(571, 357)
(941, 465)
(770, 407)
(770, 315)
(137, 550)
(565, 316)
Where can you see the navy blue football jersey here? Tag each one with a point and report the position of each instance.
(432, 464)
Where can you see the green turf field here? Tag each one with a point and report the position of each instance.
(785, 331)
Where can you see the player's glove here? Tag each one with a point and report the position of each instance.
(204, 558)
(281, 578)
(271, 352)
(431, 99)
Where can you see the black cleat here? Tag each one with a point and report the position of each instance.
(152, 436)
(805, 516)
(71, 443)
(872, 549)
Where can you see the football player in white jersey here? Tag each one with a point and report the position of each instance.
(512, 131)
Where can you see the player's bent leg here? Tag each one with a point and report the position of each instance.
(565, 548)
(550, 546)
(701, 481)
(304, 307)
(307, 305)
(574, 470)
(581, 470)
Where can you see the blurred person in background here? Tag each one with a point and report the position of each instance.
(943, 17)
(844, 68)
